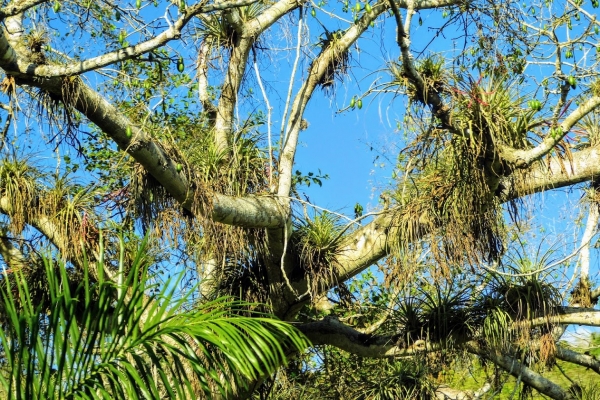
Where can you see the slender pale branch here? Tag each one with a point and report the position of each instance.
(248, 34)
(126, 53)
(318, 69)
(591, 227)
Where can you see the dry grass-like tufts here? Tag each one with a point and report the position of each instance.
(338, 66)
(71, 208)
(547, 350)
(582, 293)
(19, 189)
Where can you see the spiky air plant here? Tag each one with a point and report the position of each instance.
(432, 70)
(316, 241)
(19, 191)
(218, 29)
(337, 67)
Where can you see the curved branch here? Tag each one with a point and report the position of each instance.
(318, 68)
(174, 32)
(249, 33)
(15, 8)
(524, 158)
(577, 358)
(527, 375)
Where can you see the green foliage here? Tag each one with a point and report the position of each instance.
(110, 339)
(299, 179)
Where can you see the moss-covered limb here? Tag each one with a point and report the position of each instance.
(13, 257)
(520, 371)
(203, 86)
(17, 7)
(574, 357)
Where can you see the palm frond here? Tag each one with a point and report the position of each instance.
(106, 339)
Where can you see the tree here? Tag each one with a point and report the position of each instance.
(153, 98)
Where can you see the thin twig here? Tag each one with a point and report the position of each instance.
(269, 112)
(288, 99)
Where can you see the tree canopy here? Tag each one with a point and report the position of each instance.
(180, 122)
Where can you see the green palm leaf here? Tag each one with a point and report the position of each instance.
(96, 340)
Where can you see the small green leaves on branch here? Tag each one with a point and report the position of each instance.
(535, 105)
(311, 177)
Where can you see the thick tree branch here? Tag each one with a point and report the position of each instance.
(527, 375)
(332, 332)
(17, 7)
(568, 316)
(584, 166)
(577, 358)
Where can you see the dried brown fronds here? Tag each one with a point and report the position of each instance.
(8, 85)
(547, 350)
(582, 294)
